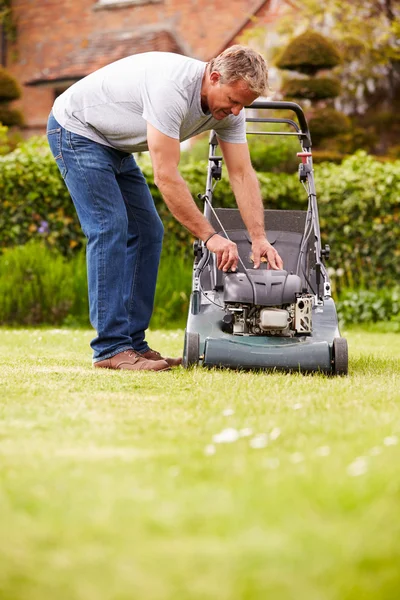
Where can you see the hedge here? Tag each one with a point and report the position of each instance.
(359, 207)
(40, 286)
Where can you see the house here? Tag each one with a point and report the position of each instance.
(60, 41)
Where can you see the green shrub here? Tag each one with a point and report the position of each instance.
(174, 285)
(9, 88)
(358, 206)
(35, 203)
(308, 53)
(10, 116)
(330, 156)
(359, 209)
(369, 306)
(327, 123)
(317, 88)
(38, 285)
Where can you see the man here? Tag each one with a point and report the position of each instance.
(151, 101)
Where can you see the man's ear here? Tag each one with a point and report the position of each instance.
(215, 77)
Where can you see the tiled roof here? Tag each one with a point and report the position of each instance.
(102, 49)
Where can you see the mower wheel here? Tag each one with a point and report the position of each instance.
(340, 356)
(191, 349)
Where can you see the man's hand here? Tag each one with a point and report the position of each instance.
(226, 251)
(261, 247)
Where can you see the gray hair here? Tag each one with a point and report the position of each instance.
(242, 63)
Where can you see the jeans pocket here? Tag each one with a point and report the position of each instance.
(54, 138)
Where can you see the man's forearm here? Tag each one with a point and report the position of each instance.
(248, 197)
(179, 200)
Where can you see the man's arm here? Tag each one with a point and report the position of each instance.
(165, 155)
(245, 186)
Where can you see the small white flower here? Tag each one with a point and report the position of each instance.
(226, 436)
(323, 451)
(174, 471)
(297, 406)
(331, 272)
(245, 432)
(340, 272)
(271, 463)
(358, 467)
(296, 457)
(391, 440)
(209, 450)
(375, 451)
(259, 441)
(228, 412)
(275, 433)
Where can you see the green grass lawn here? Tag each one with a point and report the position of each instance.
(113, 485)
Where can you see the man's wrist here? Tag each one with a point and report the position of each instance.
(209, 237)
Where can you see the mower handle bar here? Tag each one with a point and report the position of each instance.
(285, 106)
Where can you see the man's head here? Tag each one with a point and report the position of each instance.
(235, 78)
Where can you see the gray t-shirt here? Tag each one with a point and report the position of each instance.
(113, 105)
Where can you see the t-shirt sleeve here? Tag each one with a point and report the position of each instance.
(164, 106)
(232, 129)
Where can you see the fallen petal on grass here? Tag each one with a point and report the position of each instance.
(275, 433)
(323, 451)
(296, 457)
(259, 441)
(245, 432)
(228, 412)
(209, 450)
(391, 440)
(272, 463)
(226, 436)
(375, 451)
(358, 467)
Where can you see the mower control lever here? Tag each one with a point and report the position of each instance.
(304, 167)
(216, 168)
(326, 252)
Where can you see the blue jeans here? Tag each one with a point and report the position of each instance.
(124, 237)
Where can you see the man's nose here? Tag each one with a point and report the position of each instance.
(235, 110)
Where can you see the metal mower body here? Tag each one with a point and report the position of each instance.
(264, 318)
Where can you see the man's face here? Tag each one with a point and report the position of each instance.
(227, 99)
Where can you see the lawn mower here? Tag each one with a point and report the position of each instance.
(263, 318)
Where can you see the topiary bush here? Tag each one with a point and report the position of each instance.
(11, 117)
(308, 53)
(9, 88)
(319, 88)
(327, 123)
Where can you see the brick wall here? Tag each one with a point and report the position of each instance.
(49, 31)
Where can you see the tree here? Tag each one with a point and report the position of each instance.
(9, 91)
(367, 33)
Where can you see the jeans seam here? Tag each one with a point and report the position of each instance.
(101, 292)
(139, 253)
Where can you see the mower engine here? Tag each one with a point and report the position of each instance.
(266, 302)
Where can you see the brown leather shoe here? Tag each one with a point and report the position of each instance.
(133, 361)
(156, 356)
